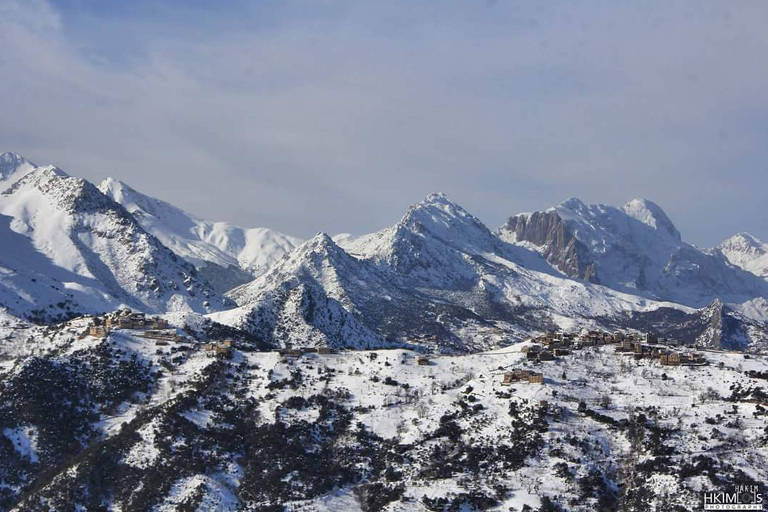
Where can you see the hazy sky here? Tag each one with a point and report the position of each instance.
(335, 116)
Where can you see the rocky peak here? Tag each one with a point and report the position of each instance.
(321, 243)
(317, 256)
(445, 220)
(68, 193)
(744, 242)
(133, 200)
(573, 203)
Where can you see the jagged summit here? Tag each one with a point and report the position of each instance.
(320, 240)
(318, 251)
(642, 210)
(114, 187)
(651, 214)
(439, 207)
(67, 193)
(13, 163)
(319, 257)
(743, 239)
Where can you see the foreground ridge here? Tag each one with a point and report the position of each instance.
(182, 412)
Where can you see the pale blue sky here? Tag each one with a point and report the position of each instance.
(335, 116)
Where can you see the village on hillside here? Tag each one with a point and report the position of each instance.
(538, 349)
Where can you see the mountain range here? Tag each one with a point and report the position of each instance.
(437, 278)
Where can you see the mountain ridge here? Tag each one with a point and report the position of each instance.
(226, 254)
(438, 277)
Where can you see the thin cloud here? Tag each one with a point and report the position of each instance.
(293, 118)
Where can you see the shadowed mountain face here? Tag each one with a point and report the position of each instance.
(548, 232)
(13, 164)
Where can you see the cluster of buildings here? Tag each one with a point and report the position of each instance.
(124, 319)
(153, 328)
(520, 375)
(641, 346)
(663, 354)
(552, 345)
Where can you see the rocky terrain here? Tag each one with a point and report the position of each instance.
(636, 249)
(746, 252)
(440, 271)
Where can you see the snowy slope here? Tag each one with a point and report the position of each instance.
(746, 252)
(635, 249)
(201, 242)
(68, 248)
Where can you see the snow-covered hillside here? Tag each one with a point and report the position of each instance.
(746, 252)
(635, 249)
(125, 423)
(227, 255)
(69, 249)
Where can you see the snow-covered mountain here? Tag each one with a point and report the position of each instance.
(69, 249)
(313, 297)
(437, 277)
(439, 272)
(746, 252)
(226, 255)
(636, 249)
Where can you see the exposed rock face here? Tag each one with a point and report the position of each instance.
(440, 272)
(634, 249)
(559, 246)
(716, 326)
